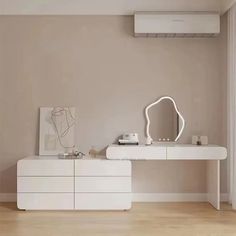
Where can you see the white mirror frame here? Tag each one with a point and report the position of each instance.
(149, 138)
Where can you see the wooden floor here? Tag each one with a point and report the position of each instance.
(147, 219)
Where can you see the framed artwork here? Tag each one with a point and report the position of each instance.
(57, 130)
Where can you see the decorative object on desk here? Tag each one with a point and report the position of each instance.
(72, 155)
(204, 140)
(199, 140)
(195, 139)
(164, 121)
(57, 130)
(164, 140)
(93, 152)
(129, 139)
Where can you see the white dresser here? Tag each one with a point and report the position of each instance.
(49, 183)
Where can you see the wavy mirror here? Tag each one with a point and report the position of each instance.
(165, 123)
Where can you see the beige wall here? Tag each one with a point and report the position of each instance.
(95, 64)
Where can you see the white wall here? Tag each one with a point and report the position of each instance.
(95, 64)
(105, 7)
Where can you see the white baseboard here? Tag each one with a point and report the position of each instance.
(174, 197)
(7, 197)
(147, 197)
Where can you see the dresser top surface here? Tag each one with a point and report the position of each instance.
(87, 157)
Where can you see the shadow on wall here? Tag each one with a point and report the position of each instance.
(102, 152)
(37, 133)
(7, 179)
(127, 27)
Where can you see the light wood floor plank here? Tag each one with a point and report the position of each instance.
(149, 219)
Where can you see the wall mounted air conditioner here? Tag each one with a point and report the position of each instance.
(176, 24)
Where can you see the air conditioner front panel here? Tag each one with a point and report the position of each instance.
(177, 24)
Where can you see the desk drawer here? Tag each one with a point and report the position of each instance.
(102, 184)
(133, 152)
(196, 153)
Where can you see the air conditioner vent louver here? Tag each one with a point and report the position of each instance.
(171, 25)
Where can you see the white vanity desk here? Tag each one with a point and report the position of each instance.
(211, 153)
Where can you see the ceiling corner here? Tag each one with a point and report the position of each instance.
(226, 5)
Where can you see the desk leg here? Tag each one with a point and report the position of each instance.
(213, 183)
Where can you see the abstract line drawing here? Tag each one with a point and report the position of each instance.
(57, 130)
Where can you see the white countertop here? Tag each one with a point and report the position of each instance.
(164, 144)
(87, 157)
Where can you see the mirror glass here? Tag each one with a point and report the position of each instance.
(164, 121)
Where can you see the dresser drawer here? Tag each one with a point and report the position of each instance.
(102, 168)
(102, 184)
(102, 201)
(45, 184)
(45, 201)
(45, 168)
